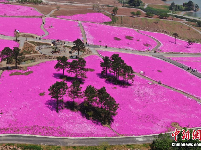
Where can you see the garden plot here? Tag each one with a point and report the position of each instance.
(26, 112)
(24, 25)
(168, 44)
(62, 29)
(193, 62)
(89, 17)
(17, 10)
(118, 37)
(162, 71)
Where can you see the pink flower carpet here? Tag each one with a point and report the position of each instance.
(62, 29)
(142, 107)
(24, 25)
(118, 37)
(168, 44)
(89, 17)
(193, 62)
(17, 10)
(162, 71)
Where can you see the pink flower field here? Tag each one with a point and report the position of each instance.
(168, 44)
(24, 25)
(142, 106)
(193, 62)
(17, 10)
(7, 43)
(89, 17)
(162, 71)
(99, 34)
(62, 29)
(3, 1)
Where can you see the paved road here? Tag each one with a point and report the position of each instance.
(75, 141)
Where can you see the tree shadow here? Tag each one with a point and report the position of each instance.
(52, 105)
(111, 79)
(171, 42)
(73, 106)
(68, 78)
(90, 113)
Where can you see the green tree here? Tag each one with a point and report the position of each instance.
(75, 91)
(62, 63)
(17, 56)
(106, 64)
(135, 3)
(138, 13)
(148, 14)
(163, 142)
(115, 10)
(57, 90)
(90, 95)
(79, 45)
(6, 54)
(116, 64)
(78, 68)
(108, 106)
(133, 14)
(175, 36)
(199, 23)
(190, 42)
(163, 15)
(127, 73)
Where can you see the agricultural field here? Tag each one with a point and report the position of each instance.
(23, 93)
(62, 29)
(24, 25)
(89, 17)
(117, 37)
(168, 44)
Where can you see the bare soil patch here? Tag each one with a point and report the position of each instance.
(72, 12)
(19, 73)
(176, 125)
(157, 2)
(29, 48)
(44, 9)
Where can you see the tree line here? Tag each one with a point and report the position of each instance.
(189, 6)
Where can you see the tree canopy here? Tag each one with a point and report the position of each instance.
(62, 63)
(57, 90)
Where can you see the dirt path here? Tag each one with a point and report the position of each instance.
(158, 42)
(83, 32)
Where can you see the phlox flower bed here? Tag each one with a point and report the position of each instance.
(89, 17)
(62, 29)
(26, 112)
(17, 10)
(7, 43)
(162, 71)
(142, 106)
(193, 62)
(118, 37)
(168, 44)
(24, 25)
(3, 1)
